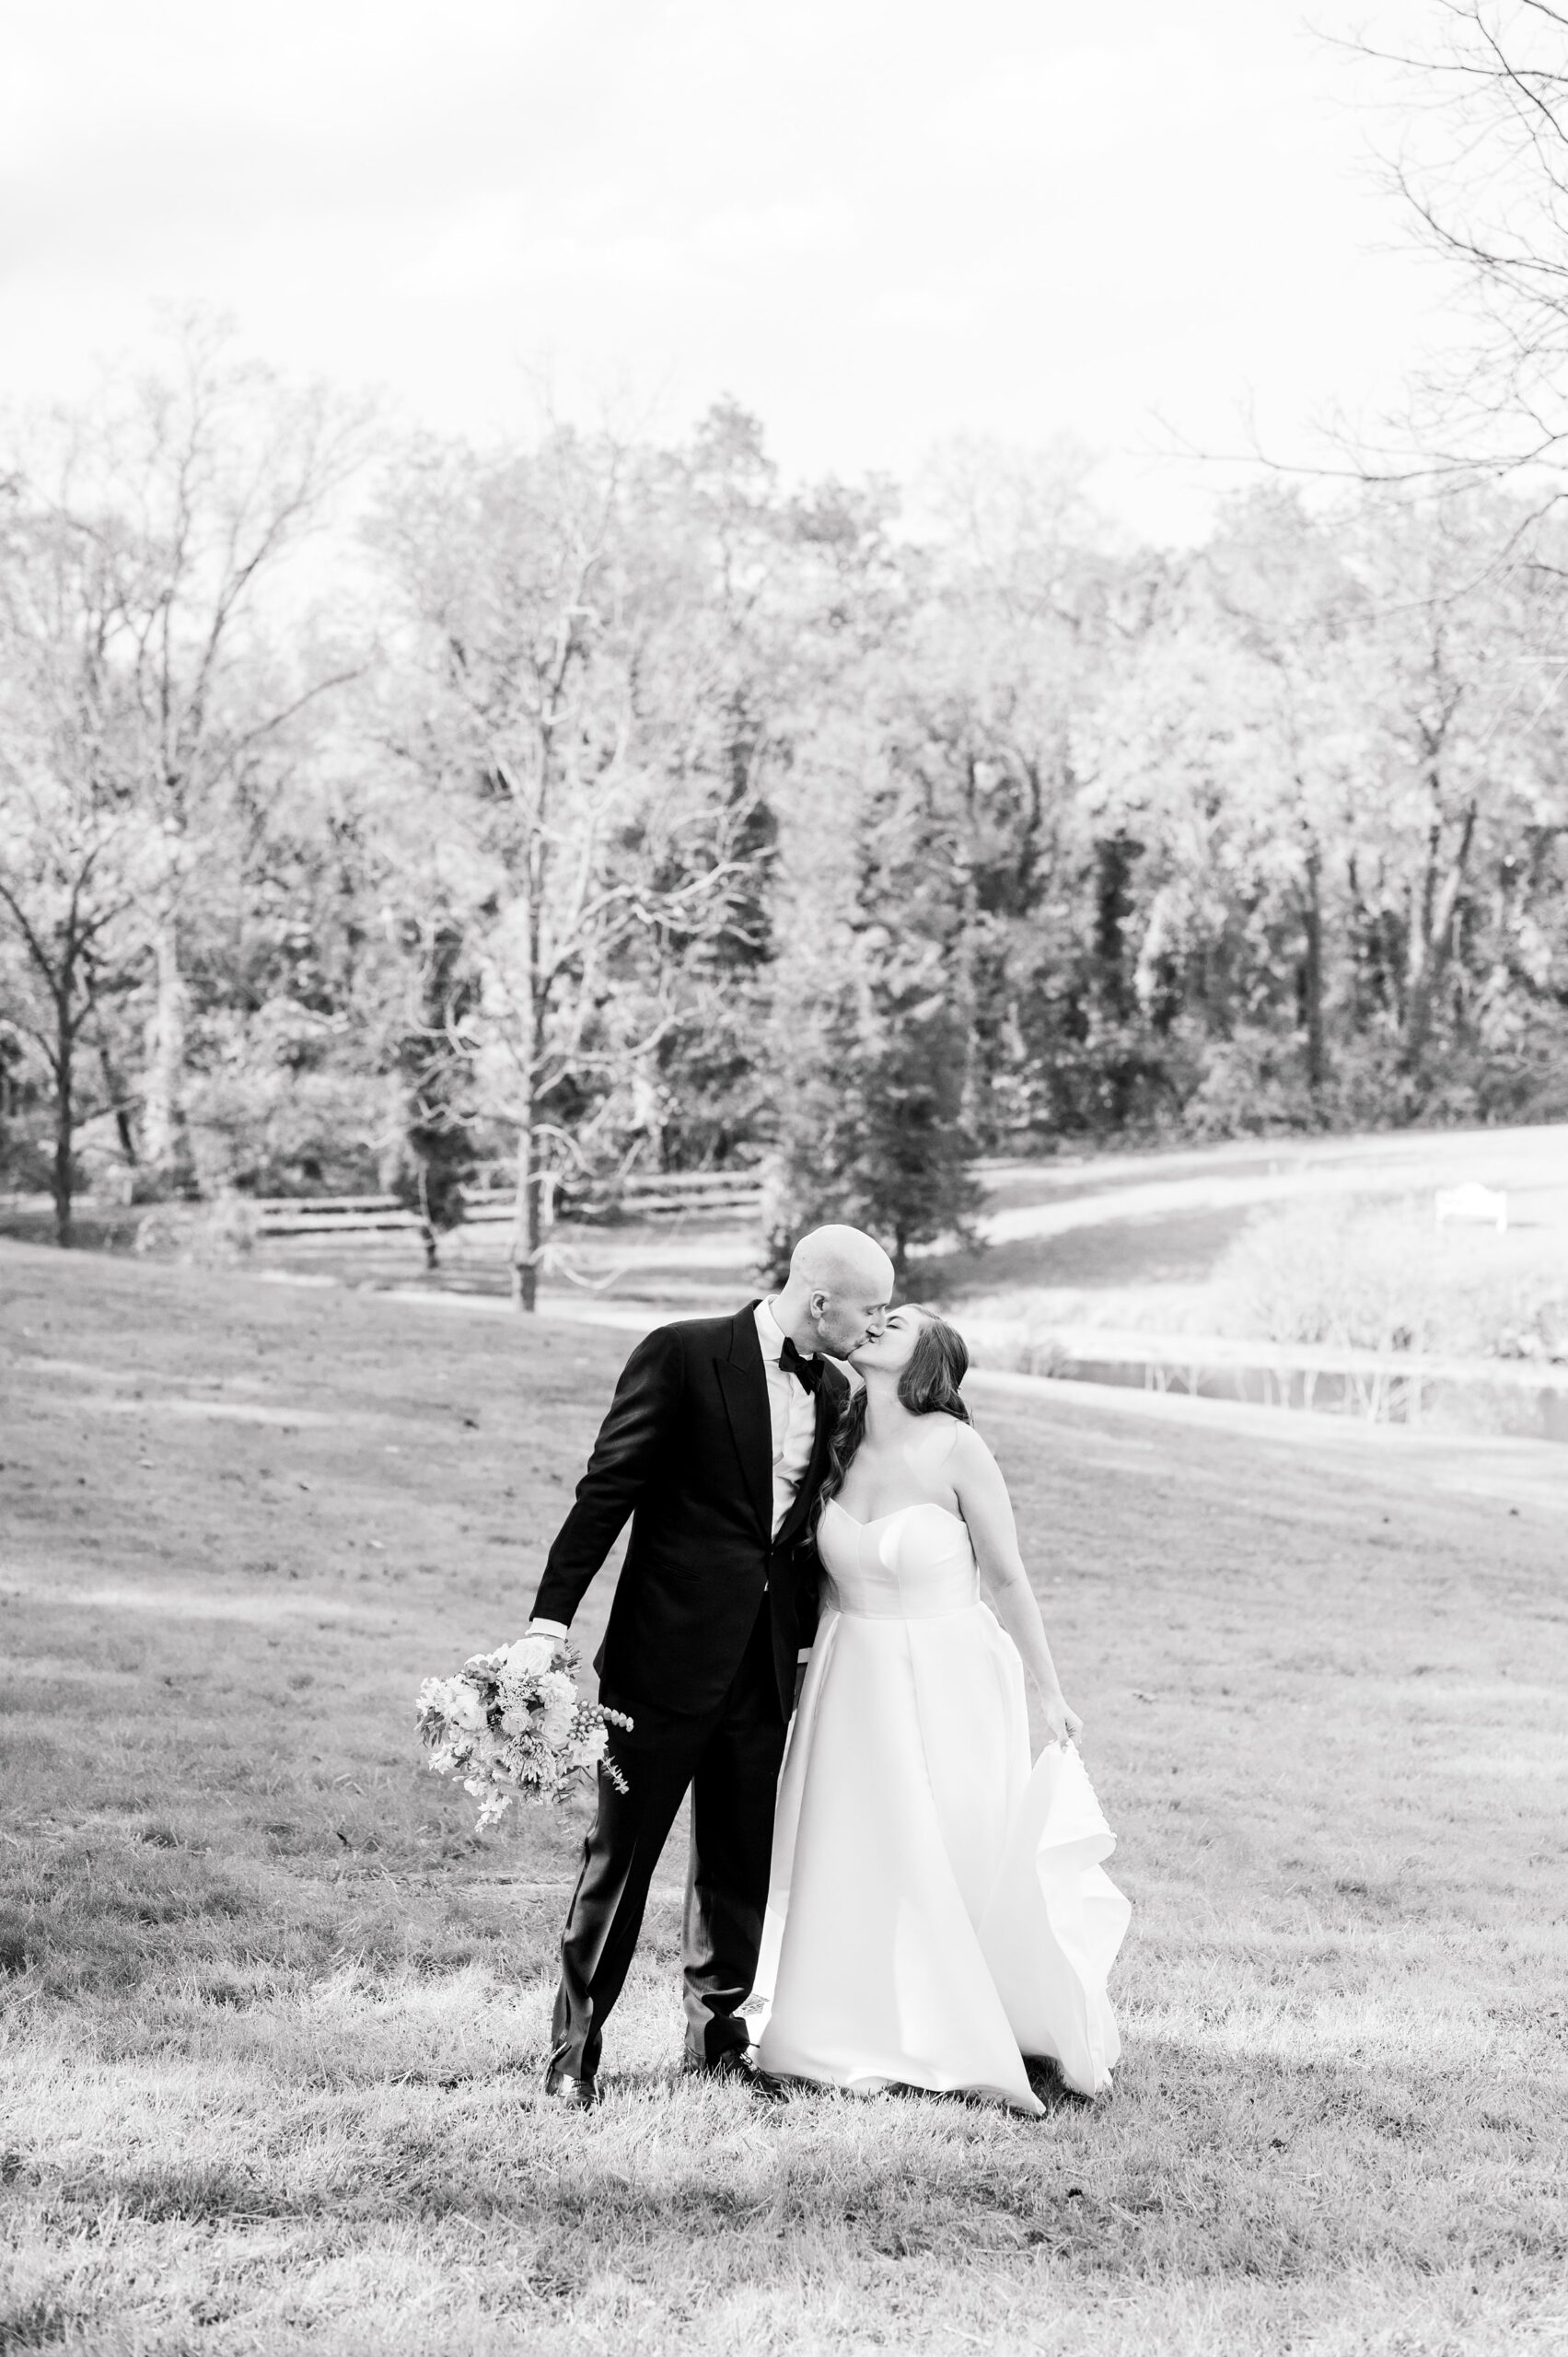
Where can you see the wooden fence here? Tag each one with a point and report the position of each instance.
(640, 1195)
(332, 1215)
(686, 1194)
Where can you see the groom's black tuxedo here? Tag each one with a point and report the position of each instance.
(710, 1614)
(686, 1451)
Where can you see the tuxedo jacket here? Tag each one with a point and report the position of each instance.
(687, 1452)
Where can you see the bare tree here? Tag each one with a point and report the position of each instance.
(62, 899)
(1483, 164)
(547, 801)
(195, 492)
(73, 851)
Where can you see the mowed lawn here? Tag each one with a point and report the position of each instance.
(272, 2019)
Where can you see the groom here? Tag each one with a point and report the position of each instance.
(715, 1445)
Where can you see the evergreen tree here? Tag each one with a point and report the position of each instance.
(870, 1116)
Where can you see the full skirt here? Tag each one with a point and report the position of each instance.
(937, 1909)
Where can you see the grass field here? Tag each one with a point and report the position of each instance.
(270, 2020)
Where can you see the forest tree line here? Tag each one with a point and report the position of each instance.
(369, 814)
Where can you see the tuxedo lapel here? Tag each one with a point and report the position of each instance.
(745, 1389)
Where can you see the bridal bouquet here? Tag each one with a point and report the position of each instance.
(513, 1722)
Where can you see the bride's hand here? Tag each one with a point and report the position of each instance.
(1064, 1725)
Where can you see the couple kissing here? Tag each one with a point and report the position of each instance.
(800, 1639)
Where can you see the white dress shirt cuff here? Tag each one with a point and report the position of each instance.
(547, 1628)
(804, 1655)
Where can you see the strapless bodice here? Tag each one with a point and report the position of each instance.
(911, 1564)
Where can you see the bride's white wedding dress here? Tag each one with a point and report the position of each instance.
(937, 1910)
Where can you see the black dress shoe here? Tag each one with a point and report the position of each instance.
(739, 2063)
(569, 2094)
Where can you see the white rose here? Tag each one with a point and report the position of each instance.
(530, 1656)
(555, 1726)
(466, 1708)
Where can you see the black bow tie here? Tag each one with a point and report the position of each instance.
(807, 1370)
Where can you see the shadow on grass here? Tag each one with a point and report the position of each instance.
(1258, 2168)
(39, 2324)
(81, 1930)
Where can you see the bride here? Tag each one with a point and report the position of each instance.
(937, 1911)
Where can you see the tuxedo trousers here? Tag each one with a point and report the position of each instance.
(729, 1759)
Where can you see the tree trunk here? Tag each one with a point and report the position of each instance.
(1432, 916)
(1312, 972)
(1115, 858)
(427, 1231)
(525, 1221)
(166, 1138)
(965, 993)
(525, 1225)
(61, 1176)
(119, 1105)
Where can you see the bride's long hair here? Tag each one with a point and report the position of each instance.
(928, 1386)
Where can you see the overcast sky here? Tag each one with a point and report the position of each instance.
(876, 222)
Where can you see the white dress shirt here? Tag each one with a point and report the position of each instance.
(791, 1410)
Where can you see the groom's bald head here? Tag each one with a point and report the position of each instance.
(840, 1259)
(840, 1289)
